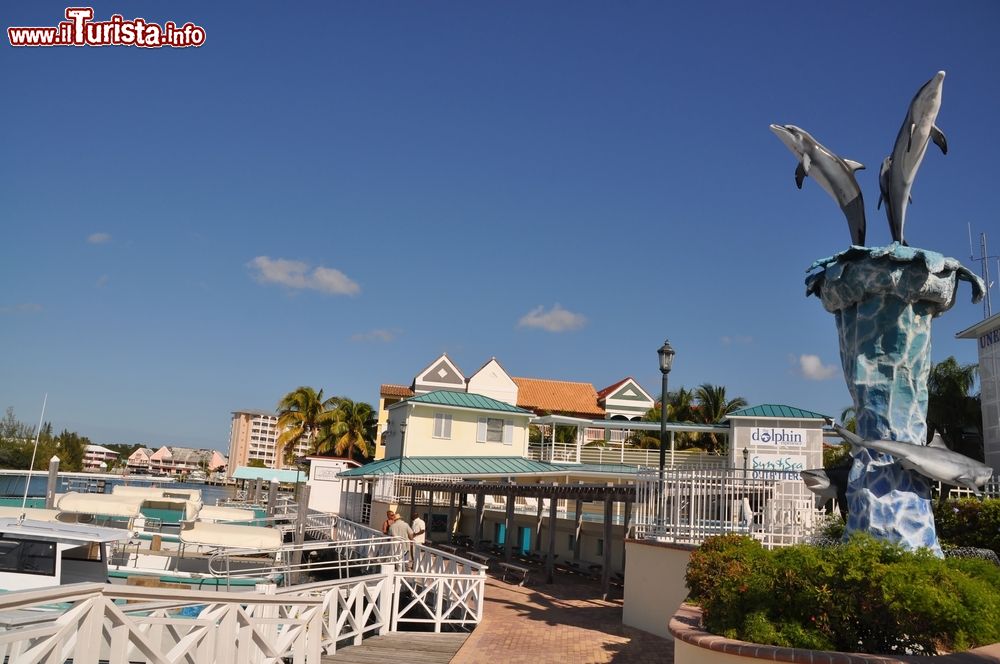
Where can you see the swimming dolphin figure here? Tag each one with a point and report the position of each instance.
(834, 174)
(829, 483)
(900, 168)
(934, 460)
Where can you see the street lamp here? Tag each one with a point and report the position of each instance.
(746, 457)
(666, 355)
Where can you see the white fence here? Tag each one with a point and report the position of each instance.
(91, 622)
(620, 454)
(692, 504)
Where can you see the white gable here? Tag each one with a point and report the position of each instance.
(441, 374)
(492, 381)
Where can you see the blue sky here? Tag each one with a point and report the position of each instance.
(333, 193)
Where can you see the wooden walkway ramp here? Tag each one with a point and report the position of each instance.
(410, 647)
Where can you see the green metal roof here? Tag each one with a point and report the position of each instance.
(778, 411)
(466, 400)
(267, 474)
(476, 465)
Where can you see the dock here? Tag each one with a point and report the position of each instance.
(410, 647)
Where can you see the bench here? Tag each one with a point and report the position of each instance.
(511, 568)
(447, 548)
(480, 558)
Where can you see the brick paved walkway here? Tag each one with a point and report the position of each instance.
(565, 622)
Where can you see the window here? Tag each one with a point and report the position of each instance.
(28, 557)
(600, 547)
(495, 430)
(442, 426)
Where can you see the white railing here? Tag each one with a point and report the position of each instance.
(990, 490)
(693, 504)
(123, 624)
(617, 454)
(393, 488)
(94, 622)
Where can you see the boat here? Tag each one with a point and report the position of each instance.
(42, 554)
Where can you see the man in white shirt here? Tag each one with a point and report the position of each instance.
(419, 530)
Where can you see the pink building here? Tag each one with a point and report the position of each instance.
(97, 458)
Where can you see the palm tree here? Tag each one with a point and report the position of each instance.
(351, 428)
(301, 413)
(713, 407)
(950, 405)
(680, 408)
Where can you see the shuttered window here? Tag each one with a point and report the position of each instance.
(491, 430)
(442, 426)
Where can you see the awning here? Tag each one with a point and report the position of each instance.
(230, 536)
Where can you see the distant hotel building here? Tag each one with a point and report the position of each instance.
(98, 458)
(253, 435)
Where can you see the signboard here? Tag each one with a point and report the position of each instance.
(776, 466)
(327, 473)
(778, 436)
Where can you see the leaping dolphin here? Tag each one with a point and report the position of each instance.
(934, 460)
(900, 168)
(829, 483)
(834, 174)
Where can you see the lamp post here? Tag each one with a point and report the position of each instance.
(746, 457)
(666, 355)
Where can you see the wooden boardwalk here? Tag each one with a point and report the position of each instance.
(415, 647)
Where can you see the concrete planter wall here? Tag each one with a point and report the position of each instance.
(693, 645)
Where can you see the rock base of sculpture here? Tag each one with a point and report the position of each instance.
(884, 299)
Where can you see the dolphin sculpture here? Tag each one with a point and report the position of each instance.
(934, 460)
(834, 174)
(900, 168)
(829, 484)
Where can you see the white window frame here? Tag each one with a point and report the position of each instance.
(442, 426)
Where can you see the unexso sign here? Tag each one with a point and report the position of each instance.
(778, 437)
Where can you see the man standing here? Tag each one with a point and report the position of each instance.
(419, 530)
(400, 530)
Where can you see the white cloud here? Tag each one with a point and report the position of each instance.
(555, 319)
(736, 340)
(99, 238)
(299, 275)
(22, 308)
(813, 368)
(374, 335)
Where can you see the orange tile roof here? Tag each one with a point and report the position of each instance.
(390, 390)
(611, 388)
(557, 396)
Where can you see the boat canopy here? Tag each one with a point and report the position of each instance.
(65, 533)
(100, 503)
(33, 513)
(231, 536)
(156, 492)
(214, 513)
(124, 505)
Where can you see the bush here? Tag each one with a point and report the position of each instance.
(969, 522)
(864, 596)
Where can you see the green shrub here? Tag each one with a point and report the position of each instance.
(864, 596)
(969, 522)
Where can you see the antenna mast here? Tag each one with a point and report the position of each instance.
(984, 261)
